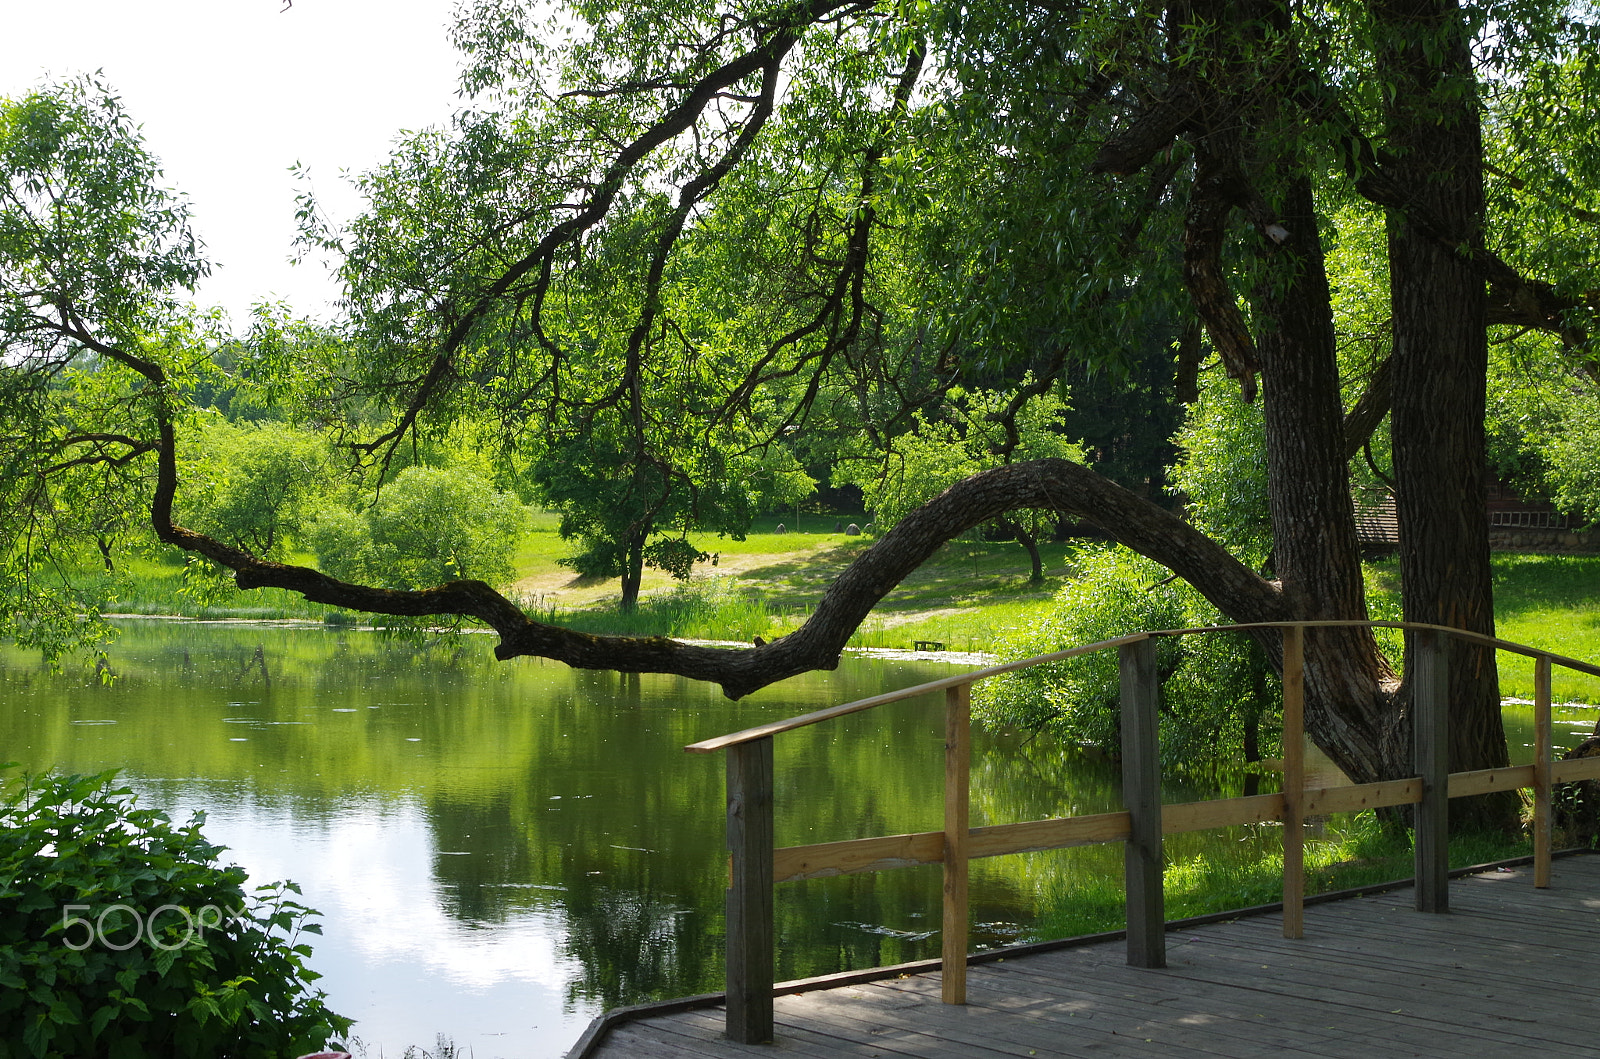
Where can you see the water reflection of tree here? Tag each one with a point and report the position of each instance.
(634, 945)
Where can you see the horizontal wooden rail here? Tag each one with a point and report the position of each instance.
(1487, 781)
(1579, 768)
(1359, 796)
(856, 855)
(763, 731)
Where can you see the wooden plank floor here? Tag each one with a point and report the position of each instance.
(1511, 971)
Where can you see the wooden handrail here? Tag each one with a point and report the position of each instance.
(756, 866)
(762, 731)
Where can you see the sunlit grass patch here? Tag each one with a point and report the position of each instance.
(1242, 867)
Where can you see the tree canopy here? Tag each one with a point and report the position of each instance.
(687, 239)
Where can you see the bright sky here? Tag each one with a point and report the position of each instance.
(232, 92)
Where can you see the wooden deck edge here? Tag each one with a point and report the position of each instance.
(603, 1023)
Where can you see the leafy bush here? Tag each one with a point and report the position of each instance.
(1217, 693)
(253, 485)
(1222, 472)
(121, 936)
(429, 526)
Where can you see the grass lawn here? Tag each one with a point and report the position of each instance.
(961, 597)
(1546, 601)
(966, 595)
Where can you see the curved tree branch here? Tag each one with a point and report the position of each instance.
(674, 123)
(1057, 485)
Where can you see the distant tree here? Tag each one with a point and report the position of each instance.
(428, 526)
(624, 513)
(256, 486)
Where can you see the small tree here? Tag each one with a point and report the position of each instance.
(625, 515)
(255, 484)
(427, 526)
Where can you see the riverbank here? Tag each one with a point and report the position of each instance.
(964, 598)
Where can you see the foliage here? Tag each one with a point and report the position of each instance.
(93, 253)
(1544, 428)
(963, 436)
(255, 486)
(428, 526)
(1221, 471)
(1215, 688)
(123, 936)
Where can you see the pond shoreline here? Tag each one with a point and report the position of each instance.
(888, 654)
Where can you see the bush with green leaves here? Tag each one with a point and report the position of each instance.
(255, 484)
(429, 525)
(1221, 472)
(121, 935)
(1217, 691)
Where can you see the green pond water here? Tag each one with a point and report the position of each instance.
(501, 851)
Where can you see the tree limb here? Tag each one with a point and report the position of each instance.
(1056, 485)
(1369, 410)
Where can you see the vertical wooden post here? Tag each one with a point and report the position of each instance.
(749, 907)
(1294, 782)
(957, 774)
(1541, 771)
(1430, 750)
(1141, 793)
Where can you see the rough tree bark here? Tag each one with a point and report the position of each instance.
(1440, 359)
(632, 571)
(1349, 683)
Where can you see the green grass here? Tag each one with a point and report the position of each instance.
(1546, 601)
(148, 586)
(1205, 876)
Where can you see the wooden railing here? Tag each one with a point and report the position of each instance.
(756, 865)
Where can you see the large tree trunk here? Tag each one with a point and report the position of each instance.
(1440, 363)
(1349, 685)
(1318, 558)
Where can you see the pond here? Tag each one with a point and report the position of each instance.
(501, 851)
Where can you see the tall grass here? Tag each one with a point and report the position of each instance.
(151, 587)
(714, 609)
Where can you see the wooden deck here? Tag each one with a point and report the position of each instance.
(1510, 971)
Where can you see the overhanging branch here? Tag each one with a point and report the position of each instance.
(1056, 485)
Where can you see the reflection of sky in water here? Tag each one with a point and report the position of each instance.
(390, 956)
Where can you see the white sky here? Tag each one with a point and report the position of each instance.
(231, 92)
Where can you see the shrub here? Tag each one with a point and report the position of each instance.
(1218, 695)
(429, 526)
(121, 936)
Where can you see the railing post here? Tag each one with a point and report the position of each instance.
(749, 908)
(1541, 771)
(1430, 750)
(1141, 794)
(957, 773)
(1294, 782)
